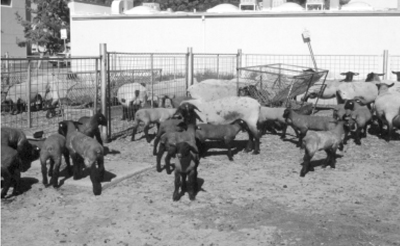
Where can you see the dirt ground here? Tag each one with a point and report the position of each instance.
(254, 200)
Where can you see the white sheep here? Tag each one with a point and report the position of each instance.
(17, 96)
(225, 110)
(387, 106)
(330, 88)
(365, 92)
(131, 96)
(272, 115)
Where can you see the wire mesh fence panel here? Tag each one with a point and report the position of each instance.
(57, 92)
(214, 66)
(134, 78)
(394, 66)
(362, 64)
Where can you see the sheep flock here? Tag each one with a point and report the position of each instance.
(184, 130)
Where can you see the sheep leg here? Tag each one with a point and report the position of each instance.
(7, 183)
(94, 177)
(364, 134)
(283, 135)
(44, 171)
(98, 136)
(380, 124)
(249, 146)
(358, 136)
(192, 180)
(102, 170)
(16, 177)
(66, 157)
(176, 195)
(328, 158)
(124, 113)
(256, 150)
(201, 147)
(171, 152)
(51, 167)
(160, 154)
(156, 140)
(55, 168)
(346, 136)
(146, 132)
(389, 131)
(228, 144)
(76, 166)
(306, 164)
(332, 158)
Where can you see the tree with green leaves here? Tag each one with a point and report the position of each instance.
(43, 30)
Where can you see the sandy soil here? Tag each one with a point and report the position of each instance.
(254, 200)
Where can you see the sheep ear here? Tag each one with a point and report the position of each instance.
(194, 149)
(195, 108)
(198, 117)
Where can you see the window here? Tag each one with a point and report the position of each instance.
(6, 2)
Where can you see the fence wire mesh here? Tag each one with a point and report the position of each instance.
(214, 66)
(362, 64)
(394, 66)
(151, 74)
(56, 92)
(76, 81)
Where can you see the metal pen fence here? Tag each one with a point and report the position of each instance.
(394, 65)
(160, 73)
(362, 64)
(56, 93)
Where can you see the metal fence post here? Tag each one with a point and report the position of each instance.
(96, 79)
(103, 68)
(152, 78)
(7, 67)
(29, 94)
(189, 68)
(385, 63)
(218, 66)
(238, 65)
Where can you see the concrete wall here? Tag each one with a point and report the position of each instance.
(262, 33)
(11, 30)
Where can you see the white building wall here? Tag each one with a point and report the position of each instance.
(264, 33)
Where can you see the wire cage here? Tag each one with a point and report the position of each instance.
(276, 85)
